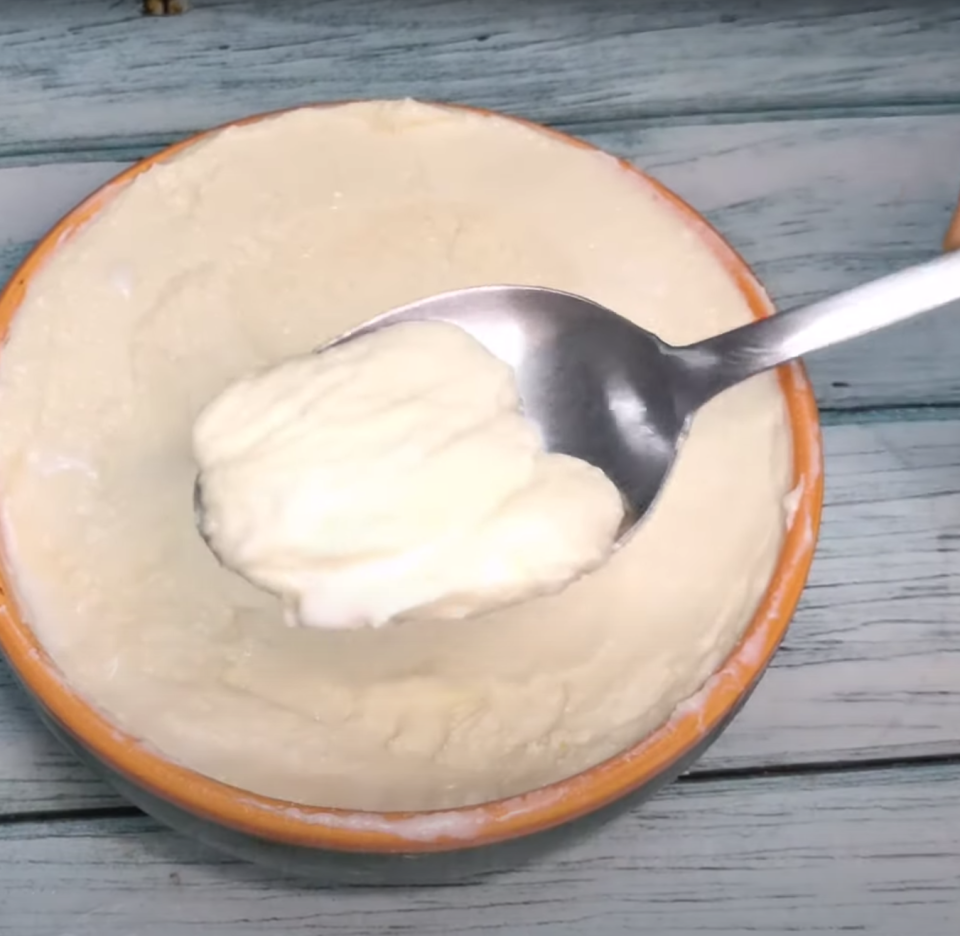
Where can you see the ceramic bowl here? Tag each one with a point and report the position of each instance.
(338, 845)
(952, 239)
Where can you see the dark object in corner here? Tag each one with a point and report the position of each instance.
(163, 7)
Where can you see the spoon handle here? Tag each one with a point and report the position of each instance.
(727, 359)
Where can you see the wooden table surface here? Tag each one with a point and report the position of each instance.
(823, 138)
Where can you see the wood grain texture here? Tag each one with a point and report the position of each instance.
(873, 852)
(870, 668)
(76, 74)
(815, 206)
(822, 139)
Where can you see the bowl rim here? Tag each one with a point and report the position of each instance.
(446, 829)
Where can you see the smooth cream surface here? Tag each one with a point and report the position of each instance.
(394, 476)
(260, 244)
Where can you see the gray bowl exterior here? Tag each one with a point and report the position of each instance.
(329, 867)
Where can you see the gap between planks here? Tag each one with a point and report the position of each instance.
(702, 776)
(130, 148)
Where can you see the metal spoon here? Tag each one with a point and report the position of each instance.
(607, 391)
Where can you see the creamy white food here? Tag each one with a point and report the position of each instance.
(259, 245)
(395, 476)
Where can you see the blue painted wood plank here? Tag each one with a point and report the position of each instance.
(81, 73)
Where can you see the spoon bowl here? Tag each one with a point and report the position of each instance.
(595, 385)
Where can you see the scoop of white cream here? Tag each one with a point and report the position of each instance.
(395, 474)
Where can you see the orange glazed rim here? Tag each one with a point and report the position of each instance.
(430, 831)
(952, 239)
